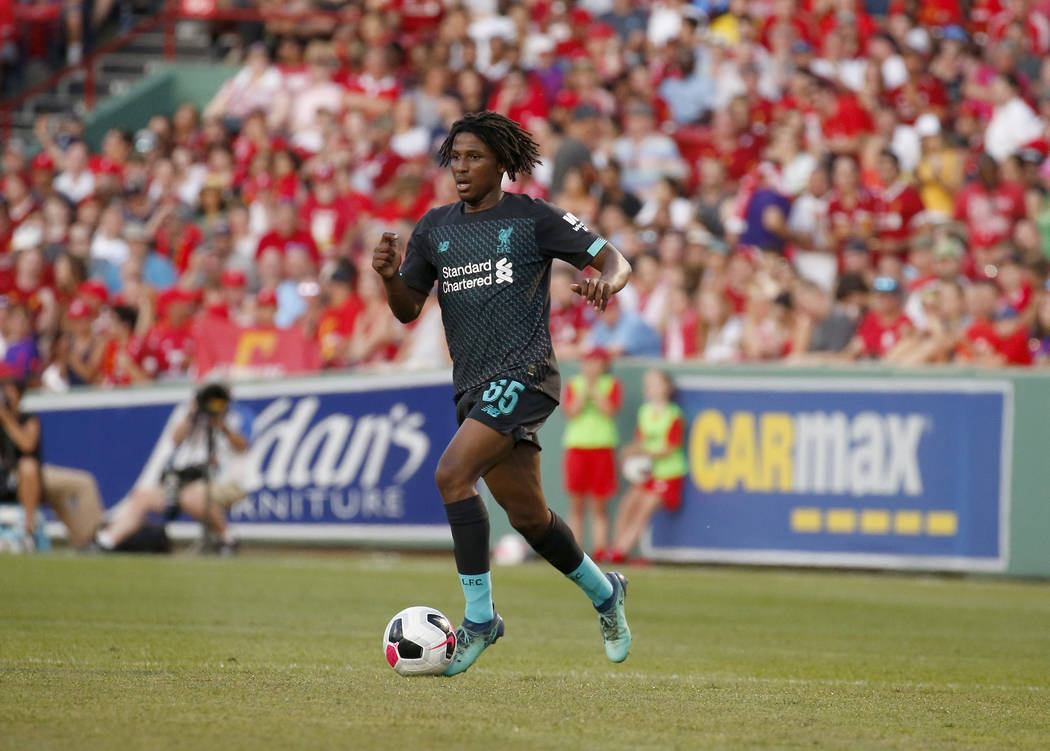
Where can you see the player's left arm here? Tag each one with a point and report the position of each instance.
(614, 272)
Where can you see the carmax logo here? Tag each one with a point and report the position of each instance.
(818, 453)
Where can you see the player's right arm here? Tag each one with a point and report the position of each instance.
(404, 301)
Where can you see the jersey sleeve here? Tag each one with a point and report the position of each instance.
(676, 433)
(616, 395)
(417, 271)
(561, 234)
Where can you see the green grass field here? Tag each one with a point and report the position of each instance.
(283, 651)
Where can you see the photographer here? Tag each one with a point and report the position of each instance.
(201, 479)
(19, 456)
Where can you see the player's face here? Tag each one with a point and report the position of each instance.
(475, 171)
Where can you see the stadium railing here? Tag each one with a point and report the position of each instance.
(87, 70)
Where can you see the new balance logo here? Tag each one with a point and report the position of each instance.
(504, 271)
(443, 246)
(575, 221)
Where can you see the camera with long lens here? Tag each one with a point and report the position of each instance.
(213, 400)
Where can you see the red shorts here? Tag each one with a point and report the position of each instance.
(590, 472)
(670, 491)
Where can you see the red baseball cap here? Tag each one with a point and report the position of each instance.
(233, 278)
(266, 297)
(94, 292)
(43, 161)
(78, 310)
(173, 295)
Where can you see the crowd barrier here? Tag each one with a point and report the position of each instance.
(936, 469)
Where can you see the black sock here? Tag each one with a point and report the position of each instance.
(469, 520)
(558, 546)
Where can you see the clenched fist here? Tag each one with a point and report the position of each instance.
(386, 258)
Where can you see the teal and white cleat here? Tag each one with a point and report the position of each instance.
(613, 620)
(470, 643)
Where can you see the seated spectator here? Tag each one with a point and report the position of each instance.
(76, 182)
(127, 358)
(883, 325)
(339, 317)
(375, 335)
(623, 332)
(720, 329)
(824, 326)
(22, 356)
(992, 338)
(74, 497)
(1039, 335)
(253, 89)
(767, 324)
(944, 315)
(681, 326)
(80, 351)
(569, 319)
(287, 235)
(19, 455)
(156, 270)
(265, 310)
(1014, 124)
(645, 154)
(171, 340)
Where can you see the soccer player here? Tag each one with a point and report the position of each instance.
(491, 254)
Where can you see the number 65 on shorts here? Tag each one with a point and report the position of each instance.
(508, 407)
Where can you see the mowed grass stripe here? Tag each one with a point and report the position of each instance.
(282, 651)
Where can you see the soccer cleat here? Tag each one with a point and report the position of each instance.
(613, 620)
(470, 644)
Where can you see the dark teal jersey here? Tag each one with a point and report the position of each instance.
(492, 272)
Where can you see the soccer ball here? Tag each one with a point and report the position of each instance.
(419, 641)
(637, 468)
(510, 550)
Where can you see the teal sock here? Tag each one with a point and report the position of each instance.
(592, 581)
(477, 590)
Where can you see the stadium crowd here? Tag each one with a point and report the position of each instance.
(821, 180)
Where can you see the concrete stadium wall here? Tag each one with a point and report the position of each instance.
(158, 93)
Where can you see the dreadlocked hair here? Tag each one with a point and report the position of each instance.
(512, 145)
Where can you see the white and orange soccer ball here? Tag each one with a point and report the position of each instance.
(419, 641)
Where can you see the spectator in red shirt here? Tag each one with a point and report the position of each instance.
(374, 90)
(234, 287)
(851, 209)
(339, 316)
(896, 208)
(287, 235)
(20, 201)
(126, 358)
(176, 237)
(883, 325)
(568, 319)
(265, 309)
(989, 206)
(171, 339)
(844, 120)
(324, 213)
(991, 339)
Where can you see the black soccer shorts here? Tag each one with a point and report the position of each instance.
(508, 407)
